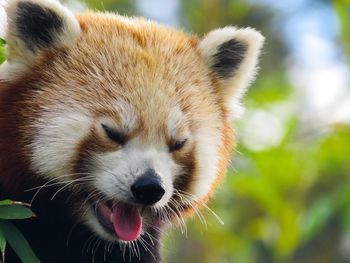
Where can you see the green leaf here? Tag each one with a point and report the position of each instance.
(317, 216)
(2, 50)
(6, 202)
(15, 211)
(2, 245)
(11, 202)
(18, 243)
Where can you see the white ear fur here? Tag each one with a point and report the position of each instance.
(232, 54)
(35, 25)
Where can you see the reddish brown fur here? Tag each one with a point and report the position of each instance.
(149, 46)
(154, 87)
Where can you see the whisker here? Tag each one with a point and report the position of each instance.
(69, 183)
(39, 188)
(193, 197)
(70, 233)
(144, 243)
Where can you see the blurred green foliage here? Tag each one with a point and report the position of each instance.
(2, 50)
(342, 8)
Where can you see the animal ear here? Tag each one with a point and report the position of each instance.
(232, 55)
(35, 25)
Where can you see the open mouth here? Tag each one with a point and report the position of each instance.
(119, 219)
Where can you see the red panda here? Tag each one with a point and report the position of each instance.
(114, 127)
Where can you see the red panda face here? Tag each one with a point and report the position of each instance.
(131, 117)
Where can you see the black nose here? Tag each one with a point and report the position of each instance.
(148, 189)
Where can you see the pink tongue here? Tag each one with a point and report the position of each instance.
(126, 222)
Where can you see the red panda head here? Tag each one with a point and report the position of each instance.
(133, 118)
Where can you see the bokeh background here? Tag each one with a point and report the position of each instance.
(287, 194)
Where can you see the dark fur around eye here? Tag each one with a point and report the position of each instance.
(178, 145)
(114, 135)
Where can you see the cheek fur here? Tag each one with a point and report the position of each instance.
(206, 159)
(55, 144)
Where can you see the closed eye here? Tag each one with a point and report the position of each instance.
(114, 135)
(178, 145)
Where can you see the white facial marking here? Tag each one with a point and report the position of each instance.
(127, 115)
(207, 142)
(54, 144)
(91, 220)
(176, 118)
(117, 171)
(128, 118)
